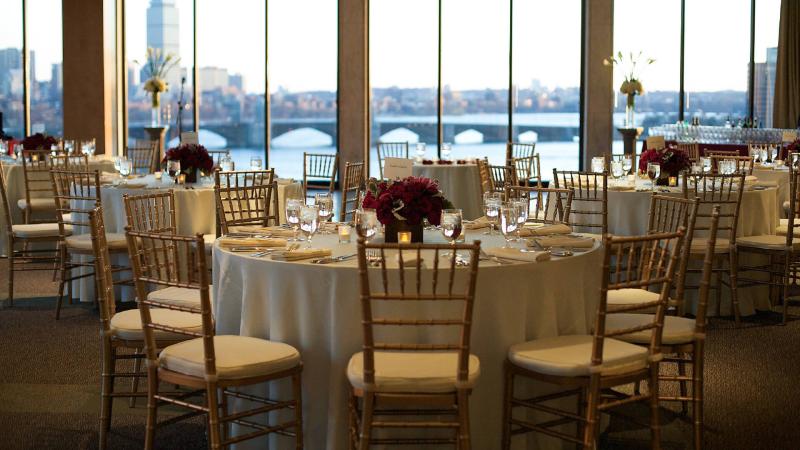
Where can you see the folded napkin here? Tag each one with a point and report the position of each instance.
(766, 183)
(565, 241)
(621, 187)
(251, 242)
(750, 179)
(517, 255)
(131, 185)
(477, 224)
(545, 230)
(272, 231)
(301, 254)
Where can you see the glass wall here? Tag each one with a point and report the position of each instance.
(11, 73)
(717, 57)
(403, 74)
(768, 14)
(475, 39)
(165, 25)
(661, 80)
(303, 76)
(231, 83)
(46, 80)
(546, 81)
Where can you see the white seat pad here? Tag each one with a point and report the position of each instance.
(631, 296)
(677, 330)
(128, 324)
(34, 230)
(44, 203)
(571, 356)
(428, 372)
(180, 296)
(768, 241)
(698, 247)
(236, 357)
(116, 241)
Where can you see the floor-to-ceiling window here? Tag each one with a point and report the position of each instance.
(11, 73)
(232, 83)
(302, 53)
(546, 65)
(767, 18)
(403, 74)
(46, 81)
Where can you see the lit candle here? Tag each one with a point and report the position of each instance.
(157, 175)
(182, 178)
(404, 237)
(673, 181)
(344, 234)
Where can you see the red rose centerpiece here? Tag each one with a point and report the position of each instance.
(193, 158)
(402, 205)
(671, 159)
(789, 148)
(39, 141)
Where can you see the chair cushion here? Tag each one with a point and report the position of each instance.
(767, 241)
(677, 330)
(44, 203)
(571, 356)
(630, 296)
(116, 241)
(128, 324)
(34, 230)
(179, 296)
(236, 357)
(783, 226)
(428, 372)
(208, 240)
(699, 246)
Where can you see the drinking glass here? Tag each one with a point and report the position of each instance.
(627, 164)
(706, 161)
(420, 151)
(366, 223)
(69, 146)
(451, 225)
(446, 151)
(125, 167)
(795, 160)
(616, 169)
(508, 222)
(309, 222)
(523, 209)
(491, 208)
(226, 164)
(324, 202)
(293, 206)
(18, 150)
(255, 163)
(653, 172)
(727, 166)
(174, 169)
(598, 164)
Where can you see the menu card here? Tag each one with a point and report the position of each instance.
(656, 142)
(394, 168)
(189, 137)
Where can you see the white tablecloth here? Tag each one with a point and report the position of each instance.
(15, 186)
(780, 178)
(316, 309)
(460, 184)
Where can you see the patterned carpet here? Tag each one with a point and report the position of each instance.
(49, 384)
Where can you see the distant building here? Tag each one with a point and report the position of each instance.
(236, 81)
(764, 88)
(212, 78)
(56, 81)
(10, 60)
(163, 27)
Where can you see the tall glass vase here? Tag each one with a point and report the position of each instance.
(630, 111)
(155, 110)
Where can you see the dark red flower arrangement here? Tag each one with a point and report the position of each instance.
(671, 159)
(791, 147)
(411, 199)
(39, 141)
(191, 156)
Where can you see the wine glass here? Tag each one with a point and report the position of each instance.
(309, 221)
(599, 164)
(653, 172)
(125, 167)
(491, 208)
(293, 206)
(508, 221)
(627, 163)
(523, 209)
(451, 226)
(324, 202)
(255, 163)
(616, 169)
(174, 168)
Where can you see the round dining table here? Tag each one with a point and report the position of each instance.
(316, 308)
(460, 183)
(778, 177)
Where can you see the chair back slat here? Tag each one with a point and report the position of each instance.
(143, 156)
(36, 165)
(545, 205)
(743, 163)
(485, 176)
(520, 150)
(692, 149)
(715, 189)
(390, 150)
(4, 198)
(217, 155)
(246, 198)
(590, 198)
(76, 194)
(353, 186)
(106, 299)
(705, 277)
(71, 162)
(500, 175)
(154, 213)
(398, 297)
(322, 167)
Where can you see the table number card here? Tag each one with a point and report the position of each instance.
(189, 137)
(789, 135)
(656, 142)
(394, 168)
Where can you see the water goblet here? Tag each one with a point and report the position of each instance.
(706, 162)
(523, 210)
(491, 209)
(627, 164)
(420, 151)
(255, 163)
(508, 222)
(324, 201)
(616, 169)
(293, 206)
(125, 168)
(451, 226)
(599, 164)
(653, 172)
(174, 169)
(366, 223)
(309, 221)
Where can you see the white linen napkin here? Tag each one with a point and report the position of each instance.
(545, 230)
(251, 242)
(272, 231)
(301, 254)
(477, 224)
(564, 241)
(517, 255)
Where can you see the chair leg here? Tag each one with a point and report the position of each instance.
(682, 383)
(137, 366)
(366, 421)
(508, 394)
(65, 272)
(297, 388)
(655, 422)
(11, 274)
(786, 281)
(581, 411)
(354, 426)
(213, 416)
(697, 395)
(733, 274)
(152, 406)
(464, 442)
(718, 288)
(592, 401)
(106, 389)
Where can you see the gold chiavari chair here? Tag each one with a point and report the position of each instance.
(144, 156)
(36, 165)
(500, 175)
(726, 191)
(528, 170)
(216, 365)
(485, 176)
(548, 206)
(121, 333)
(724, 153)
(432, 378)
(520, 150)
(28, 257)
(76, 194)
(692, 149)
(778, 146)
(320, 167)
(390, 150)
(591, 363)
(743, 163)
(352, 187)
(72, 162)
(245, 198)
(591, 191)
(217, 155)
(683, 339)
(782, 253)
